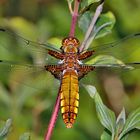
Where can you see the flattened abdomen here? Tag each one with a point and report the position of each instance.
(69, 97)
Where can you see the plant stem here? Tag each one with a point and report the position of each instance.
(53, 118)
(70, 7)
(74, 17)
(92, 25)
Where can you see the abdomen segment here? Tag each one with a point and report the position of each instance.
(69, 97)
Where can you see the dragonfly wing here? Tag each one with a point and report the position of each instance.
(40, 47)
(128, 66)
(106, 61)
(115, 44)
(14, 47)
(126, 49)
(117, 54)
(34, 76)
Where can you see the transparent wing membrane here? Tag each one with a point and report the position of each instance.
(110, 62)
(23, 56)
(40, 47)
(16, 48)
(115, 43)
(122, 48)
(34, 76)
(23, 61)
(125, 66)
(123, 54)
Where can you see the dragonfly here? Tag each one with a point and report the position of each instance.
(70, 69)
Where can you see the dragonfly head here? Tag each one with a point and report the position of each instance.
(70, 45)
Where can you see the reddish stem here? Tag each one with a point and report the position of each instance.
(74, 18)
(53, 118)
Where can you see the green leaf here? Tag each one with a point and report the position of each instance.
(86, 3)
(102, 27)
(25, 136)
(125, 137)
(120, 121)
(105, 136)
(132, 122)
(84, 21)
(104, 59)
(104, 19)
(108, 61)
(5, 129)
(91, 90)
(105, 115)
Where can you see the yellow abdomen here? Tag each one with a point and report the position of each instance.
(69, 97)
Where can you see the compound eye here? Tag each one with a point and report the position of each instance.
(70, 40)
(65, 41)
(76, 42)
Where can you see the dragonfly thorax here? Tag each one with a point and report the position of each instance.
(70, 45)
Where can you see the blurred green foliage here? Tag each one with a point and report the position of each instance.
(29, 100)
(116, 128)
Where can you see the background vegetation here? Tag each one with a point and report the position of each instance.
(29, 100)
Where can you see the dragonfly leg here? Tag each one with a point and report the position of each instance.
(55, 70)
(56, 54)
(83, 70)
(85, 55)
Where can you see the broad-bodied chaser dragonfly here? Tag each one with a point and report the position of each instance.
(70, 68)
